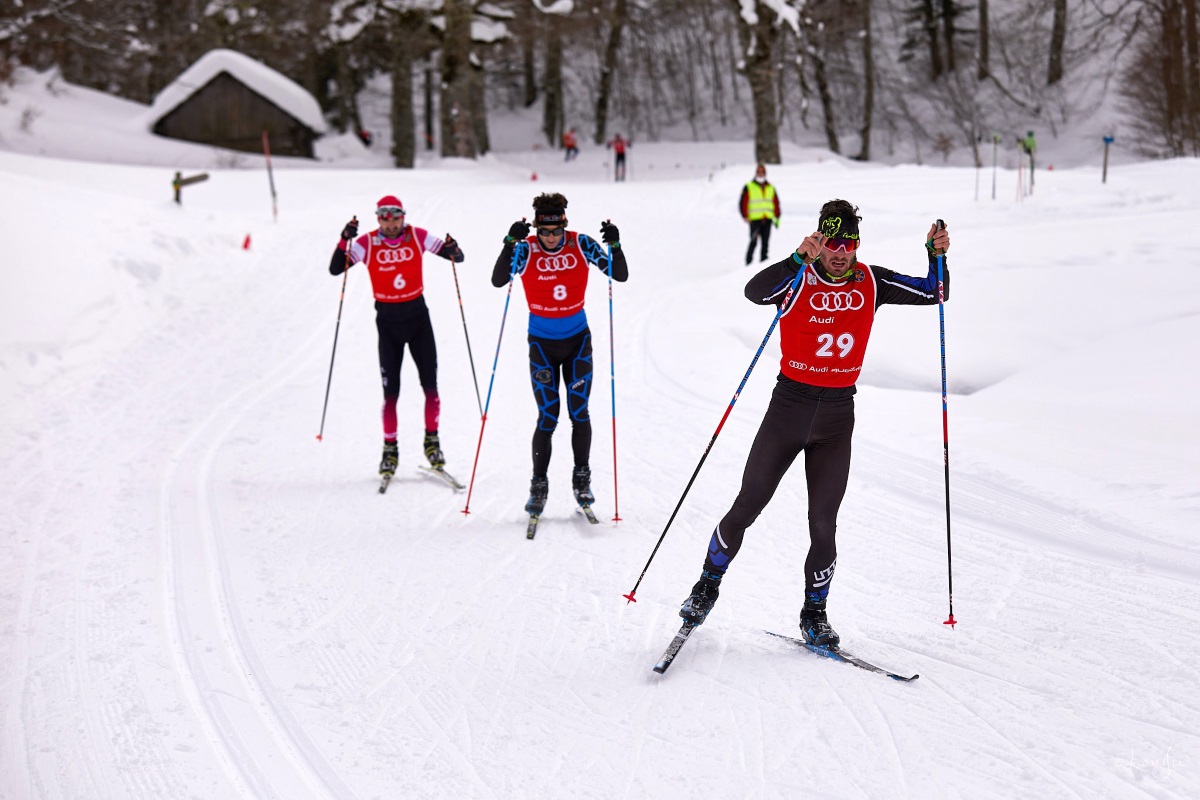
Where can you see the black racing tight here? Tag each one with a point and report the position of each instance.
(794, 422)
(570, 360)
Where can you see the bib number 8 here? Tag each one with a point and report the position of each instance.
(560, 292)
(845, 344)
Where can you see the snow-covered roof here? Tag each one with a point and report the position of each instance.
(279, 89)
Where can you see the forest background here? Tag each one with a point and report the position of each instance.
(895, 80)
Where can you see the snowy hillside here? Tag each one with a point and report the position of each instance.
(200, 600)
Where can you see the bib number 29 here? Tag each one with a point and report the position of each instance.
(845, 343)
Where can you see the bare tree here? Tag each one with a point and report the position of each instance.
(981, 71)
(1058, 35)
(619, 17)
(552, 83)
(457, 125)
(758, 34)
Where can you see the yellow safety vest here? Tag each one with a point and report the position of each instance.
(760, 201)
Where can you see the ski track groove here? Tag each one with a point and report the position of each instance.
(1009, 742)
(241, 750)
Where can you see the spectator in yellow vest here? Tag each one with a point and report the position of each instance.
(760, 207)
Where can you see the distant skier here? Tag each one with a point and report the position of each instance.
(553, 265)
(823, 338)
(618, 145)
(392, 254)
(570, 141)
(759, 206)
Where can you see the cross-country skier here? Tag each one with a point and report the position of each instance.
(392, 254)
(553, 265)
(823, 337)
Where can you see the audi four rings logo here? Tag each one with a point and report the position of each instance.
(837, 301)
(400, 254)
(557, 263)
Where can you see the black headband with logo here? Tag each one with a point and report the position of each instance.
(550, 217)
(839, 226)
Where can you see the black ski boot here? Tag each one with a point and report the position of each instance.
(703, 598)
(814, 625)
(433, 451)
(539, 488)
(391, 456)
(581, 483)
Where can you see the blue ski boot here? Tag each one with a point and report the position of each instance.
(814, 624)
(703, 597)
(539, 489)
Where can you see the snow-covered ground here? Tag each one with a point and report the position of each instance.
(199, 600)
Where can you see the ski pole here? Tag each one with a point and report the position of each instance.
(336, 328)
(945, 426)
(271, 178)
(782, 306)
(612, 366)
(483, 420)
(463, 314)
(995, 144)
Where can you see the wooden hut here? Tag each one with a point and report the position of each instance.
(227, 99)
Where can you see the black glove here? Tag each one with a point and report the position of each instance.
(450, 248)
(351, 230)
(609, 233)
(518, 231)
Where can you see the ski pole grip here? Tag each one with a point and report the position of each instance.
(941, 225)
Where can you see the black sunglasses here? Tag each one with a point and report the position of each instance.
(552, 231)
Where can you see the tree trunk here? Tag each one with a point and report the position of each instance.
(528, 34)
(404, 124)
(429, 105)
(982, 71)
(458, 133)
(620, 16)
(864, 151)
(1058, 36)
(1191, 36)
(826, 101)
(478, 105)
(949, 12)
(552, 86)
(931, 33)
(758, 44)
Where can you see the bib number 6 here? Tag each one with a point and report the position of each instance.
(845, 343)
(399, 282)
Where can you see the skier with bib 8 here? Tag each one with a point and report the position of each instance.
(823, 337)
(553, 266)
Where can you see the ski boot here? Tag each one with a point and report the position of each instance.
(539, 488)
(703, 598)
(433, 451)
(814, 624)
(581, 483)
(391, 456)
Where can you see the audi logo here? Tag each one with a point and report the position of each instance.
(396, 256)
(557, 263)
(837, 301)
